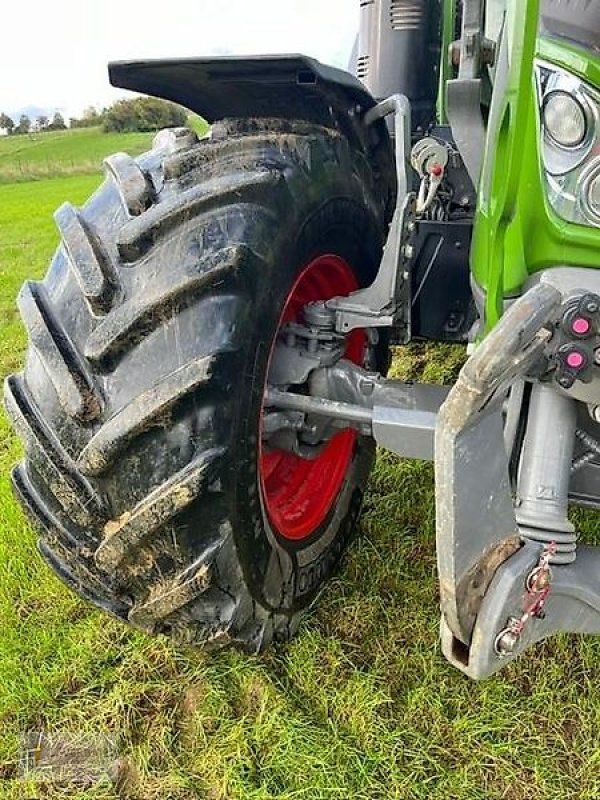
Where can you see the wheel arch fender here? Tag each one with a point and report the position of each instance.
(293, 87)
(289, 86)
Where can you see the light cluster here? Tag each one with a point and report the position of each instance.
(570, 128)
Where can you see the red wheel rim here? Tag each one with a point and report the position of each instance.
(298, 493)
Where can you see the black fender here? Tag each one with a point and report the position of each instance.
(293, 87)
(289, 86)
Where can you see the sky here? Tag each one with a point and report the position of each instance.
(56, 52)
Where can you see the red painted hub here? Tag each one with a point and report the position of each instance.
(299, 493)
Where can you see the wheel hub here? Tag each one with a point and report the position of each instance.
(299, 492)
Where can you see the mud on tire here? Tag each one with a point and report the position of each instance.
(140, 400)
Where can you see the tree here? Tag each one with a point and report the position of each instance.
(91, 118)
(24, 125)
(58, 123)
(143, 114)
(6, 123)
(42, 122)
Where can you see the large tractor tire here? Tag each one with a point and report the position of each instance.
(141, 401)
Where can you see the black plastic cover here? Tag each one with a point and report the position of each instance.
(442, 302)
(286, 86)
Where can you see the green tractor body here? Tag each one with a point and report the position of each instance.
(517, 231)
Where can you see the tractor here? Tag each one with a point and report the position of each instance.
(205, 385)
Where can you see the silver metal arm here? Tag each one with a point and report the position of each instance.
(386, 301)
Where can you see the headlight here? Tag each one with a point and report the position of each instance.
(564, 119)
(591, 192)
(570, 128)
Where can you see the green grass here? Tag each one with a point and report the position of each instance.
(361, 705)
(38, 156)
(54, 153)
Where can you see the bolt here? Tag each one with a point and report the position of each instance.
(367, 387)
(453, 321)
(454, 54)
(408, 251)
(507, 640)
(597, 356)
(488, 52)
(595, 413)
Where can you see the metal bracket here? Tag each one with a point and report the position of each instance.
(476, 525)
(498, 595)
(399, 416)
(572, 605)
(300, 350)
(464, 92)
(386, 302)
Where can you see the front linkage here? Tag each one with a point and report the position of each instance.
(506, 438)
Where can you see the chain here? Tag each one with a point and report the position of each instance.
(538, 586)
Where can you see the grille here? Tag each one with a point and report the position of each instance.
(362, 67)
(406, 15)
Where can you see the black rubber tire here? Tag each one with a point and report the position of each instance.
(139, 403)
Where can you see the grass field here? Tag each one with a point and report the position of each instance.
(61, 153)
(38, 156)
(361, 705)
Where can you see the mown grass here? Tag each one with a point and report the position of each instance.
(38, 156)
(361, 705)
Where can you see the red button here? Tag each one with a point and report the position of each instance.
(575, 359)
(580, 326)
